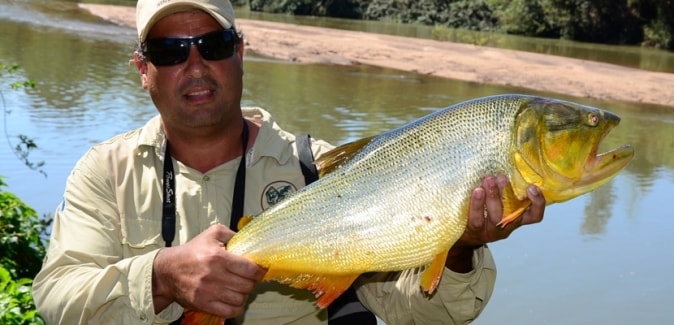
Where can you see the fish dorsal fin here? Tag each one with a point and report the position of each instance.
(326, 287)
(243, 222)
(513, 207)
(331, 160)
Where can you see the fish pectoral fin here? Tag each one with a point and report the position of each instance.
(326, 287)
(191, 317)
(331, 160)
(430, 278)
(243, 222)
(513, 207)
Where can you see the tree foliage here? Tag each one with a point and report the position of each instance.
(646, 22)
(21, 236)
(22, 249)
(16, 301)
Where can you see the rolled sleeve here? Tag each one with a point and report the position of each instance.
(140, 293)
(397, 298)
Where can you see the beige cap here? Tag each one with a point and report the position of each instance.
(148, 12)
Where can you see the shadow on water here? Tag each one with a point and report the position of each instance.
(601, 258)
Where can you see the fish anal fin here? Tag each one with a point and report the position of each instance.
(243, 222)
(513, 207)
(191, 317)
(326, 287)
(430, 278)
(331, 160)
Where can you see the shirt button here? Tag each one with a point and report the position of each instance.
(206, 178)
(143, 317)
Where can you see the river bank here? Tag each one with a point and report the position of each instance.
(574, 77)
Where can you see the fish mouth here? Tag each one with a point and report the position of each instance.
(600, 168)
(607, 164)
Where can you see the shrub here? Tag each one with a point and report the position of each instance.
(16, 302)
(22, 248)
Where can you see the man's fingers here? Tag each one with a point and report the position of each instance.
(477, 212)
(493, 201)
(221, 233)
(534, 214)
(224, 309)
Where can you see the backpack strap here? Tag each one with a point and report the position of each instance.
(306, 156)
(346, 309)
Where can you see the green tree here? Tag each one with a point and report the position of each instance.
(22, 235)
(16, 301)
(601, 21)
(523, 17)
(658, 18)
(473, 15)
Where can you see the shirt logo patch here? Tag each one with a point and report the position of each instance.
(275, 192)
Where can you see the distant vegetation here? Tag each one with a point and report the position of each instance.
(647, 23)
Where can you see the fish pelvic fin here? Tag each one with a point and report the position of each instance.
(191, 317)
(430, 278)
(326, 287)
(513, 207)
(331, 160)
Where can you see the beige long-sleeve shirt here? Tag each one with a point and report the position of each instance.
(107, 231)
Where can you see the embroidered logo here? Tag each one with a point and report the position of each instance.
(275, 192)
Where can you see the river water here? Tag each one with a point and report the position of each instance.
(603, 258)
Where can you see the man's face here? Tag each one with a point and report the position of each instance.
(196, 93)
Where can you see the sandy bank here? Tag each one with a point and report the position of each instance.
(548, 73)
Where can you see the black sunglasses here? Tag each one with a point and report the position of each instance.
(218, 45)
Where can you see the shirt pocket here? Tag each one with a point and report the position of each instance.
(141, 235)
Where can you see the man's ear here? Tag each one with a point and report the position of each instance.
(141, 64)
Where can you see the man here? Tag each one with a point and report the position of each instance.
(203, 161)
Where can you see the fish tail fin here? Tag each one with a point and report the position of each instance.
(513, 207)
(192, 317)
(326, 287)
(430, 278)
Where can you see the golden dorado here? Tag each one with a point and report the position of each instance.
(400, 200)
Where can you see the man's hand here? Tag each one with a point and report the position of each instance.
(486, 211)
(201, 275)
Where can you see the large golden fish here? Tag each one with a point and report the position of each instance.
(400, 200)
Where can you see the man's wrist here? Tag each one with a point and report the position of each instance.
(460, 258)
(161, 298)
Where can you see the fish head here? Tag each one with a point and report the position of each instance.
(556, 148)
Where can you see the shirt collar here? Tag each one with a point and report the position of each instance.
(271, 141)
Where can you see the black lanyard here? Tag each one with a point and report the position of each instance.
(168, 219)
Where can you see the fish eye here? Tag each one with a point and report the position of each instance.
(592, 119)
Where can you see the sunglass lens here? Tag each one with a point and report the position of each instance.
(217, 46)
(167, 51)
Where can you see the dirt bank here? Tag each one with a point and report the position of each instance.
(548, 73)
